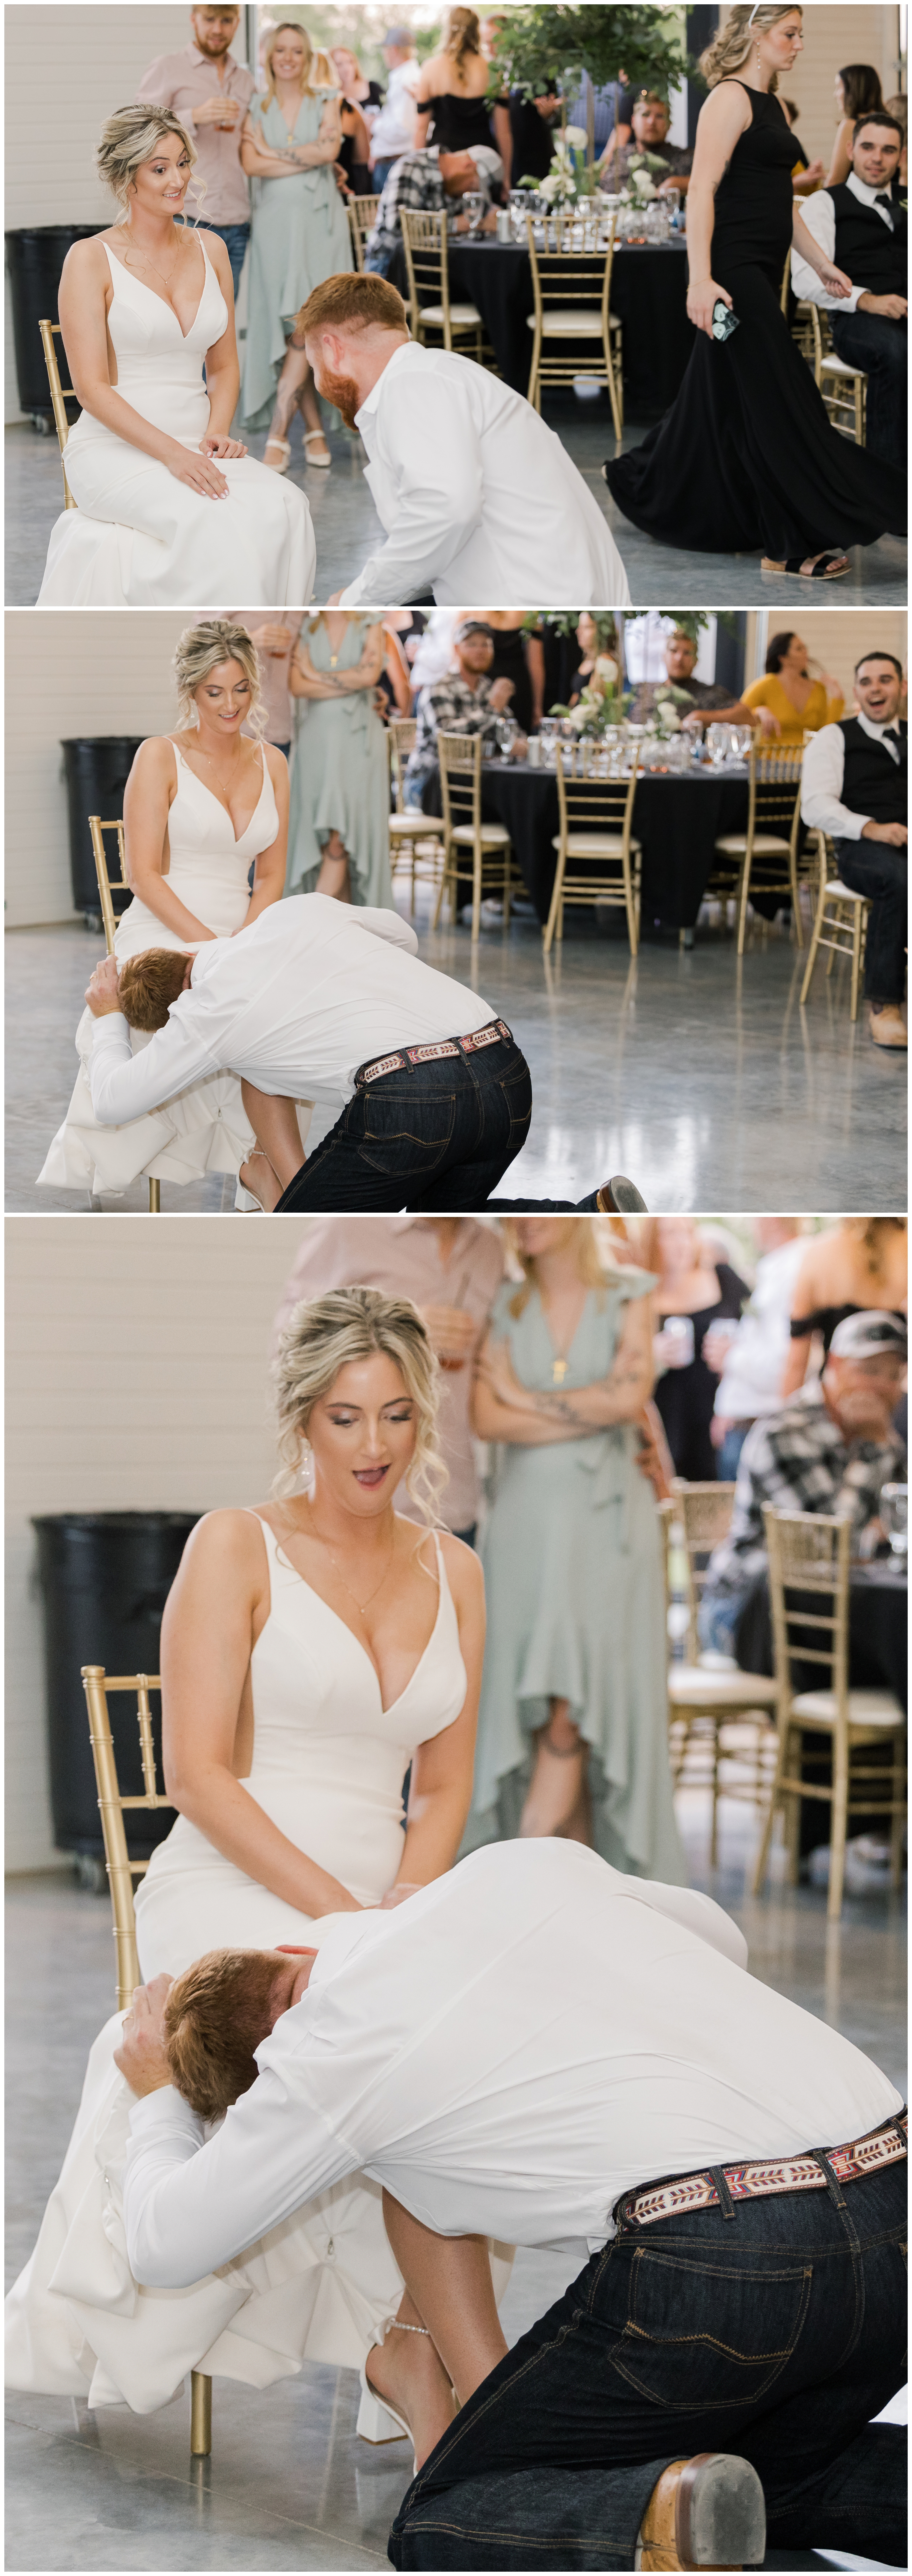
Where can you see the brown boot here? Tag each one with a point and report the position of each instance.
(887, 1026)
(704, 2512)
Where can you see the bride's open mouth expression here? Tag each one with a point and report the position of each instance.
(362, 1434)
(160, 185)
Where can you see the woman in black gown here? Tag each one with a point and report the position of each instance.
(746, 456)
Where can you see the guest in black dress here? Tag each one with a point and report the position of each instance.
(746, 457)
(532, 124)
(706, 1292)
(453, 109)
(519, 658)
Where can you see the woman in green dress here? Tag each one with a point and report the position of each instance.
(338, 827)
(299, 235)
(573, 1724)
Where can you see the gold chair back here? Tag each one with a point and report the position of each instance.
(424, 237)
(362, 216)
(487, 845)
(806, 324)
(593, 809)
(840, 922)
(703, 1514)
(108, 886)
(401, 732)
(570, 284)
(740, 866)
(59, 395)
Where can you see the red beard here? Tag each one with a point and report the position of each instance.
(340, 391)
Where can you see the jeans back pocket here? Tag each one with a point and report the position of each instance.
(704, 2334)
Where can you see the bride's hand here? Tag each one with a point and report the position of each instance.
(222, 447)
(701, 303)
(194, 468)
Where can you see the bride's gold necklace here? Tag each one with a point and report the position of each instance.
(360, 1606)
(150, 263)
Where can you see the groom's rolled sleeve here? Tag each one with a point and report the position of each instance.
(191, 2204)
(126, 1086)
(430, 434)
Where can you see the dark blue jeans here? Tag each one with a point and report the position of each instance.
(881, 347)
(436, 1135)
(874, 868)
(235, 238)
(776, 2333)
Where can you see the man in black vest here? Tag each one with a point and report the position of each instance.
(854, 788)
(862, 228)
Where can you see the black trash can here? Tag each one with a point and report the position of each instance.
(35, 258)
(97, 768)
(105, 1577)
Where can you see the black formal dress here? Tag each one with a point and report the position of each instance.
(746, 458)
(686, 1396)
(510, 663)
(459, 123)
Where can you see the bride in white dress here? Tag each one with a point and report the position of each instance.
(312, 1650)
(200, 807)
(170, 509)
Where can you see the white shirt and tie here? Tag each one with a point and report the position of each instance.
(296, 1003)
(822, 771)
(507, 2052)
(819, 214)
(477, 496)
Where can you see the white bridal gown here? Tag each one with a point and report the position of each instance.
(328, 1767)
(140, 539)
(206, 1129)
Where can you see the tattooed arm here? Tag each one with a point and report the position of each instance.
(537, 1418)
(722, 121)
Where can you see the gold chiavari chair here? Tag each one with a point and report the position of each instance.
(108, 886)
(60, 395)
(722, 1722)
(809, 1563)
(806, 325)
(416, 840)
(573, 303)
(424, 239)
(844, 388)
(464, 833)
(763, 859)
(112, 1805)
(362, 216)
(609, 857)
(840, 923)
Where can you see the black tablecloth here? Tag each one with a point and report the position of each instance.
(648, 294)
(678, 820)
(878, 1660)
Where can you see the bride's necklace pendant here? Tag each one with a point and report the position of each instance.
(360, 1606)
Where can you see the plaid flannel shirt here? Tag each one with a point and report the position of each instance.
(413, 181)
(798, 1461)
(451, 706)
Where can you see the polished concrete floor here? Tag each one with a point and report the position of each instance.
(347, 528)
(700, 1078)
(289, 2484)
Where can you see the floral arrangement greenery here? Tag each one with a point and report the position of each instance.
(544, 51)
(571, 176)
(601, 702)
(641, 166)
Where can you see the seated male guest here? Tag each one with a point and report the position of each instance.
(830, 1449)
(709, 701)
(650, 121)
(469, 484)
(424, 181)
(862, 228)
(537, 2048)
(466, 701)
(854, 788)
(315, 1001)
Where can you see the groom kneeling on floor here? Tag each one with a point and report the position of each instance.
(535, 2048)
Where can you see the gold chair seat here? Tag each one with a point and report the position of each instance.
(462, 316)
(595, 845)
(704, 1686)
(766, 844)
(846, 894)
(405, 826)
(830, 365)
(867, 1708)
(571, 322)
(493, 835)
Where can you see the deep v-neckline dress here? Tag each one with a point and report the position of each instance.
(328, 1766)
(139, 538)
(746, 459)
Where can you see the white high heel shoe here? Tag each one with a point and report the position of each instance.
(378, 2421)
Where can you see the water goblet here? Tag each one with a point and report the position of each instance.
(718, 744)
(474, 205)
(894, 1513)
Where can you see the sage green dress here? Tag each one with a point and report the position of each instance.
(339, 777)
(299, 235)
(576, 1607)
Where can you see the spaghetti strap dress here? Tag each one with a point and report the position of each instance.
(339, 777)
(746, 458)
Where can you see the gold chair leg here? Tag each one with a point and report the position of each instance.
(856, 957)
(838, 1826)
(612, 391)
(476, 890)
(200, 2415)
(154, 1198)
(899, 1814)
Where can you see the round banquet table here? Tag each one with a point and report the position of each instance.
(878, 1660)
(677, 819)
(648, 294)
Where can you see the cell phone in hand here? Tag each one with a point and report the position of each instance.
(724, 322)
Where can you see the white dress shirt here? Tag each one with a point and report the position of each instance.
(822, 774)
(313, 989)
(476, 495)
(751, 1381)
(507, 2052)
(819, 214)
(393, 125)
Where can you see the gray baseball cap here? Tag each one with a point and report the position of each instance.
(863, 1337)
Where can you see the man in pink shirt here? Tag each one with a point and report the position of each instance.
(211, 93)
(275, 639)
(451, 1268)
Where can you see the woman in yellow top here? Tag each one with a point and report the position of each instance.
(798, 704)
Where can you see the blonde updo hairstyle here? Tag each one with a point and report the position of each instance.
(200, 650)
(324, 1335)
(130, 137)
(318, 71)
(731, 48)
(462, 34)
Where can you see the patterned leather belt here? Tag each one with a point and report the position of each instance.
(485, 1037)
(678, 2194)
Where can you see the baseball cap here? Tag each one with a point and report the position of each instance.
(397, 36)
(862, 1337)
(471, 626)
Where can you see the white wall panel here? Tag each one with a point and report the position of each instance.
(71, 671)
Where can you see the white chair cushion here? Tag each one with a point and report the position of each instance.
(765, 844)
(846, 893)
(493, 834)
(568, 322)
(694, 1686)
(593, 845)
(464, 316)
(866, 1708)
(429, 827)
(832, 366)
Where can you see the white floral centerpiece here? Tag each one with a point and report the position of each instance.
(601, 703)
(570, 176)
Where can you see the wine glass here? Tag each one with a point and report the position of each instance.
(506, 730)
(547, 732)
(718, 743)
(473, 204)
(894, 1513)
(742, 741)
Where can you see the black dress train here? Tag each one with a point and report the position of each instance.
(746, 457)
